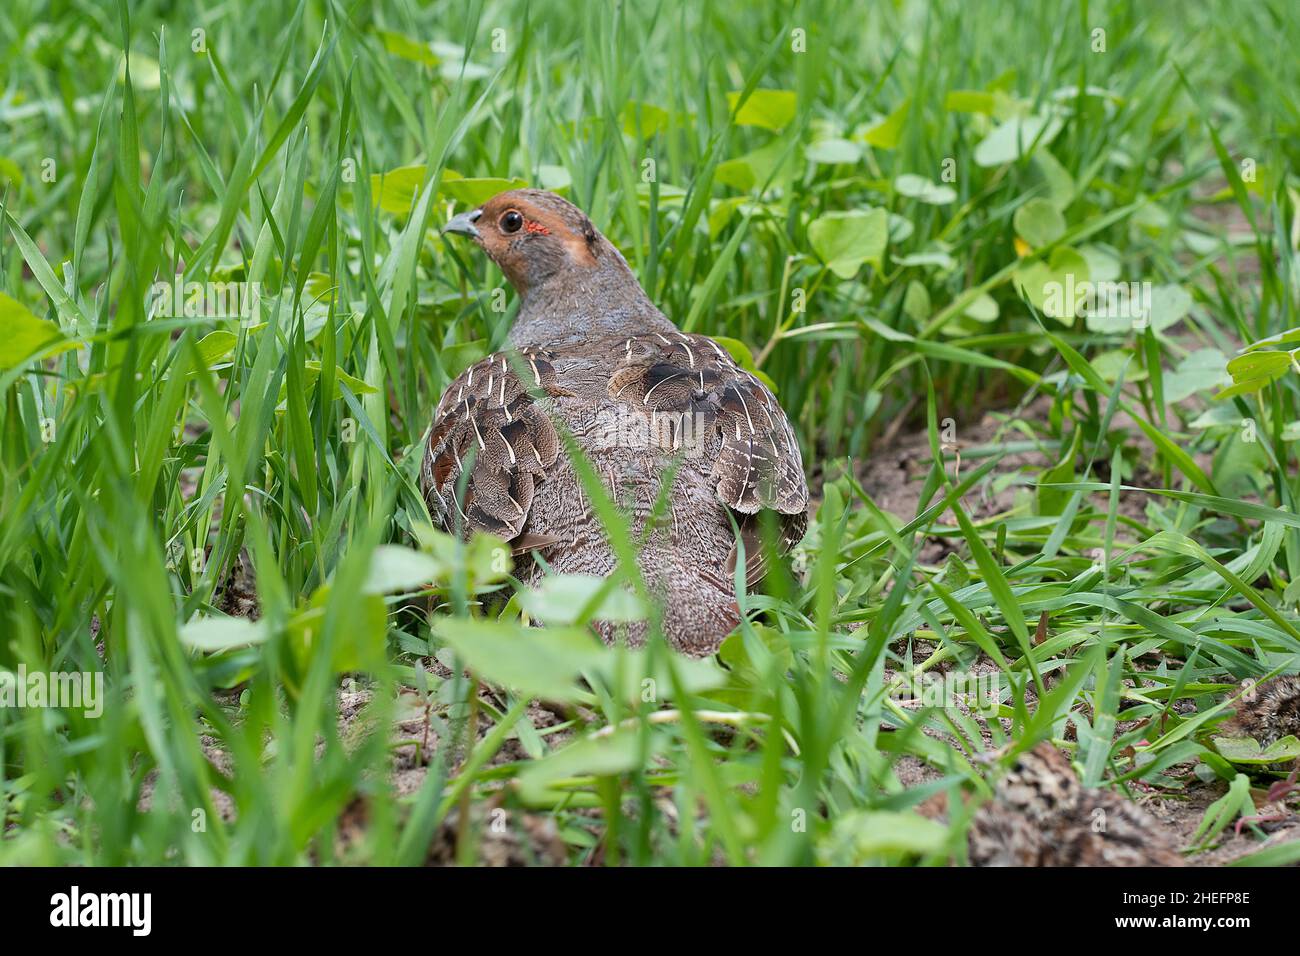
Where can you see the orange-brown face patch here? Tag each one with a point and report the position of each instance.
(540, 240)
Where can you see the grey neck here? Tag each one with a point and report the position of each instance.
(579, 305)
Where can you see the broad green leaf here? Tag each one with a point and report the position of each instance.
(1169, 306)
(750, 662)
(1262, 364)
(399, 44)
(210, 634)
(1201, 370)
(539, 661)
(1111, 363)
(1055, 177)
(10, 171)
(485, 560)
(1009, 141)
(1057, 287)
(631, 675)
(555, 178)
(1115, 308)
(454, 66)
(1039, 223)
(752, 169)
(1240, 462)
(642, 120)
(311, 374)
(1247, 750)
(886, 133)
(968, 101)
(1103, 263)
(832, 151)
(394, 191)
(601, 755)
(1246, 386)
(921, 189)
(845, 240)
(935, 258)
(312, 371)
(22, 334)
(579, 598)
(770, 109)
(1216, 416)
(900, 228)
(983, 308)
(215, 346)
(475, 192)
(916, 303)
(394, 568)
(864, 836)
(1253, 371)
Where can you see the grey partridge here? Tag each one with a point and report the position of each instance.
(1041, 815)
(590, 354)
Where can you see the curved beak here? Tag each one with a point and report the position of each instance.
(464, 224)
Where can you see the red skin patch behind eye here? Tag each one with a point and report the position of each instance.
(537, 227)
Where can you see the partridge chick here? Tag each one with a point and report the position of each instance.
(590, 353)
(1040, 815)
(1268, 712)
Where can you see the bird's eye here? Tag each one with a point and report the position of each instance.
(512, 221)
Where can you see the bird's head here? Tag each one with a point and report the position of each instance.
(534, 236)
